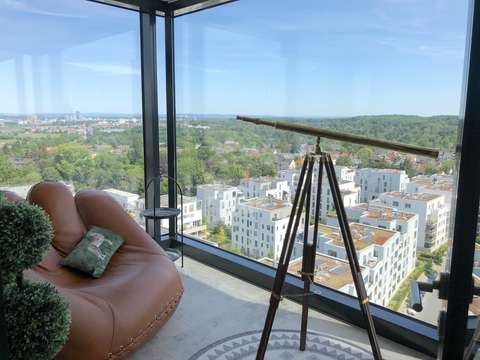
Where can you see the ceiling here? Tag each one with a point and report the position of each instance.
(174, 7)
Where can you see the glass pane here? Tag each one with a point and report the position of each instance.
(383, 69)
(70, 99)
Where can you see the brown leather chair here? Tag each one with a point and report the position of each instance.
(141, 288)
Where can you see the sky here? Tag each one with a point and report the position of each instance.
(253, 57)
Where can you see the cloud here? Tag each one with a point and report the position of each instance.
(22, 6)
(107, 68)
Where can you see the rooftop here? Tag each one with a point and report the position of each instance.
(267, 204)
(409, 196)
(329, 271)
(261, 179)
(363, 235)
(434, 182)
(217, 187)
(384, 171)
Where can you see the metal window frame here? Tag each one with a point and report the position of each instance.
(392, 325)
(460, 288)
(173, 8)
(171, 118)
(151, 141)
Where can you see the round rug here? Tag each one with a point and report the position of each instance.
(283, 345)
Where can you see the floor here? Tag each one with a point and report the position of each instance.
(217, 306)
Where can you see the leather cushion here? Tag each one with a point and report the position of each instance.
(57, 200)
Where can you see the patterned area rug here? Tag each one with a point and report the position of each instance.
(283, 345)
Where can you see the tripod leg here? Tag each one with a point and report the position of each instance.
(287, 248)
(305, 270)
(309, 256)
(352, 257)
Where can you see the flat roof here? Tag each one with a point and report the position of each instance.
(434, 182)
(387, 171)
(363, 235)
(387, 213)
(329, 271)
(412, 196)
(260, 179)
(217, 187)
(267, 204)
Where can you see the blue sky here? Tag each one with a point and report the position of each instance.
(325, 58)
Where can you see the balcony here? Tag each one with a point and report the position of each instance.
(107, 94)
(240, 309)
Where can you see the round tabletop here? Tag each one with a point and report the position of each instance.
(160, 213)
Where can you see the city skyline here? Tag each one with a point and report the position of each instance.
(324, 60)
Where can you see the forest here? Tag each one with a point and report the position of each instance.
(218, 150)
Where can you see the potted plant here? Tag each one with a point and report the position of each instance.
(37, 317)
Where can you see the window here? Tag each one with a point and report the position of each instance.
(70, 99)
(230, 63)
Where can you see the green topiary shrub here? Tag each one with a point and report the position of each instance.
(37, 317)
(25, 235)
(38, 320)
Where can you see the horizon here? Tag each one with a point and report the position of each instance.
(228, 115)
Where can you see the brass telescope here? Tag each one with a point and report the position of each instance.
(335, 135)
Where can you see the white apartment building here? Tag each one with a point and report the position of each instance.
(433, 184)
(259, 227)
(218, 201)
(406, 223)
(378, 250)
(291, 176)
(129, 201)
(373, 182)
(349, 192)
(433, 215)
(345, 173)
(265, 186)
(192, 214)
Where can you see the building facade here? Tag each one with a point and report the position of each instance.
(373, 182)
(259, 227)
(406, 223)
(218, 203)
(433, 215)
(265, 186)
(378, 251)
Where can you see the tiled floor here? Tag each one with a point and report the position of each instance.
(216, 305)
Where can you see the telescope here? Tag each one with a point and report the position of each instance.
(336, 135)
(301, 205)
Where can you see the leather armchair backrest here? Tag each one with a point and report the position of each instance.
(58, 202)
(97, 208)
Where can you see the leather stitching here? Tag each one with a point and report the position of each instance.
(147, 330)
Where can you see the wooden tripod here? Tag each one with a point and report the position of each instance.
(302, 200)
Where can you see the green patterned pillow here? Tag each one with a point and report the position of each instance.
(94, 251)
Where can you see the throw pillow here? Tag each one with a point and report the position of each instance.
(94, 251)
